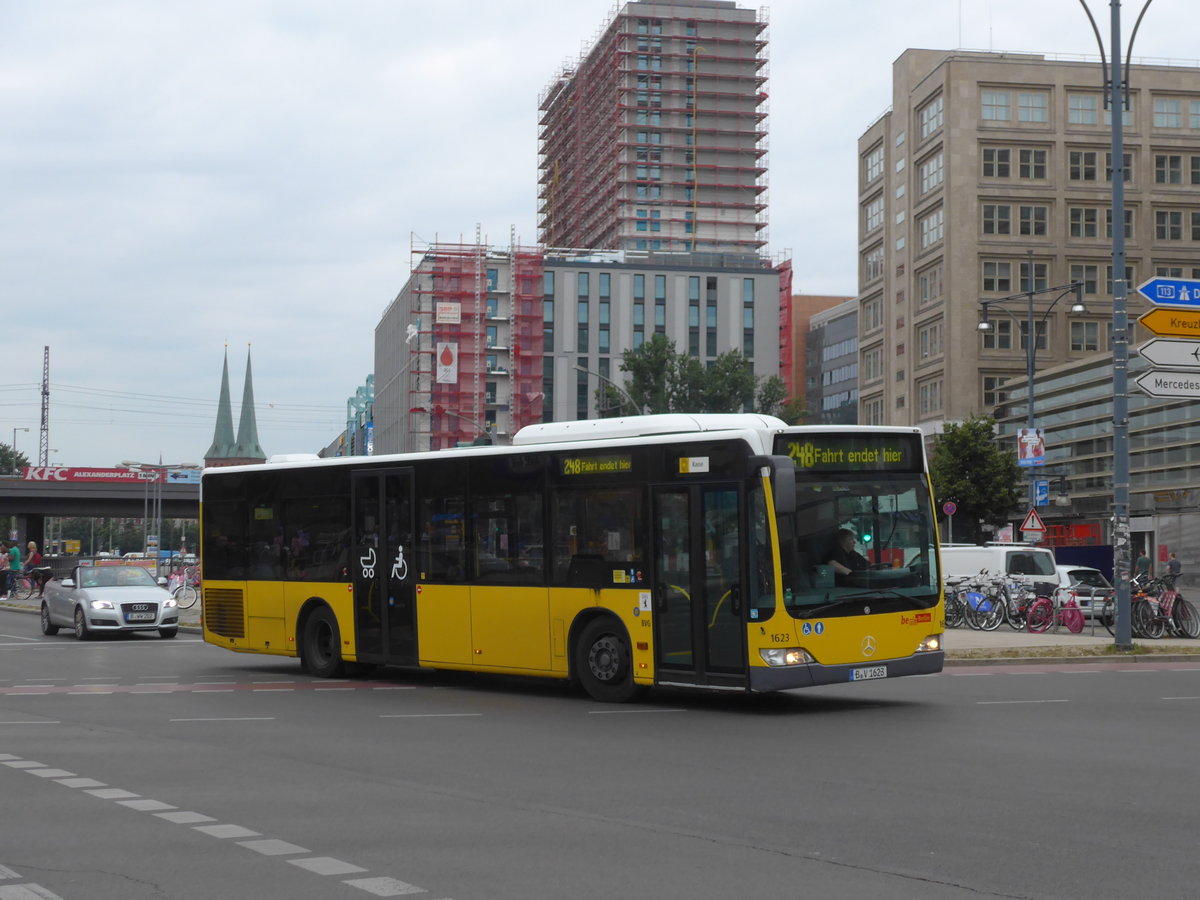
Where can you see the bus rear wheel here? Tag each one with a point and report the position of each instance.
(321, 653)
(604, 664)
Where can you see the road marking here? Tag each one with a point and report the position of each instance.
(31, 722)
(229, 719)
(145, 805)
(272, 847)
(51, 773)
(184, 817)
(1009, 702)
(113, 794)
(326, 865)
(1181, 698)
(271, 690)
(226, 831)
(385, 887)
(380, 886)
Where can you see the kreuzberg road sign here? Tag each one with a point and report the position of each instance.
(1172, 291)
(1171, 353)
(1172, 322)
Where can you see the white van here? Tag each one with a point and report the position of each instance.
(1020, 562)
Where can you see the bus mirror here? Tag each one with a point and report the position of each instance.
(783, 480)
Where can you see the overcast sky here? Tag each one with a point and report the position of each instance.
(176, 177)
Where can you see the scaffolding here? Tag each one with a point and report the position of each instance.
(475, 370)
(655, 138)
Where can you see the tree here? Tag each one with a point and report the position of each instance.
(969, 467)
(662, 380)
(8, 464)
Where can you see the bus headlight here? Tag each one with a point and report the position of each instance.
(785, 656)
(931, 643)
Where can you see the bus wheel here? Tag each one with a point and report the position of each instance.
(321, 645)
(603, 662)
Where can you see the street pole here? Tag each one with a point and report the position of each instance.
(1122, 551)
(1030, 351)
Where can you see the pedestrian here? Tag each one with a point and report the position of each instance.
(33, 559)
(1174, 567)
(1142, 565)
(4, 579)
(14, 566)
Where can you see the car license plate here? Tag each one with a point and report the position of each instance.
(868, 673)
(139, 617)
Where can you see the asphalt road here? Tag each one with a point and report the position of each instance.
(139, 767)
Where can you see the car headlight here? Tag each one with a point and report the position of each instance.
(101, 604)
(931, 643)
(785, 656)
(169, 603)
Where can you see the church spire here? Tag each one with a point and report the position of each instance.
(223, 445)
(248, 448)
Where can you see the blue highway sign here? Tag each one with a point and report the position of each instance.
(1171, 291)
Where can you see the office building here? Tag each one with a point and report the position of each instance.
(481, 340)
(831, 389)
(990, 176)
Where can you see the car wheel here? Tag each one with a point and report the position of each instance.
(81, 629)
(322, 645)
(604, 664)
(168, 632)
(48, 627)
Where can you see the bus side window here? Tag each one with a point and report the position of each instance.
(441, 549)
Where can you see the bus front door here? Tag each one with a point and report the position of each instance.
(700, 635)
(385, 620)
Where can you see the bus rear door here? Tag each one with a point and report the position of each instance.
(385, 620)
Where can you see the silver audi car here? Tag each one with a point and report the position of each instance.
(97, 599)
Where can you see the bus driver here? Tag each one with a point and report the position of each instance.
(843, 557)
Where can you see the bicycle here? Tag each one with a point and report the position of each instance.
(184, 586)
(1053, 611)
(26, 583)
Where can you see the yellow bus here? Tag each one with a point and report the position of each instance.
(619, 554)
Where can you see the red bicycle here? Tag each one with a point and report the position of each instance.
(1047, 612)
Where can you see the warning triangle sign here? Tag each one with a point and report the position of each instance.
(1033, 522)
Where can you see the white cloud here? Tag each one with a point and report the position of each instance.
(174, 176)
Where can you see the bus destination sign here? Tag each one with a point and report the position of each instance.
(597, 465)
(851, 452)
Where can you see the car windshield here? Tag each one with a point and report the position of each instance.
(115, 576)
(1088, 578)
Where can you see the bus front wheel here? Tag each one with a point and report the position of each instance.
(321, 645)
(604, 664)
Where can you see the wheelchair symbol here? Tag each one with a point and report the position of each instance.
(400, 567)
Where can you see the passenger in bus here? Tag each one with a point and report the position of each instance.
(843, 557)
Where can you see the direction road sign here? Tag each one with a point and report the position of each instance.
(1172, 322)
(1174, 354)
(1169, 384)
(1171, 291)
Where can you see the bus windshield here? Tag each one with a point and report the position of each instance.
(866, 536)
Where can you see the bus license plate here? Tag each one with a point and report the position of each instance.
(139, 617)
(868, 673)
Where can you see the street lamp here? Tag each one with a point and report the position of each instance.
(14, 447)
(1033, 326)
(645, 410)
(1116, 101)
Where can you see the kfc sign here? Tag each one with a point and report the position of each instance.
(64, 473)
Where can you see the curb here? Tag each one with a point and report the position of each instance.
(1071, 660)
